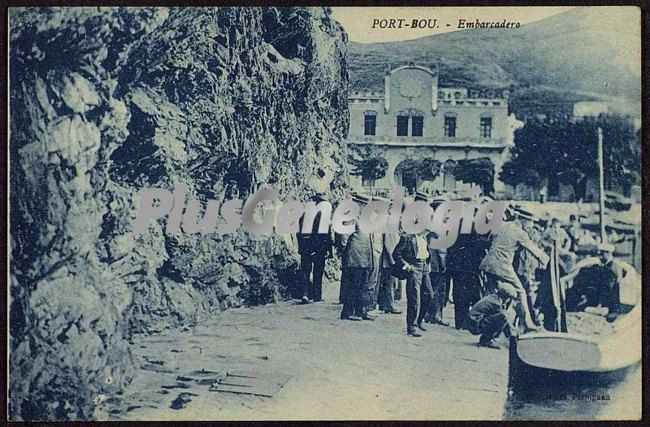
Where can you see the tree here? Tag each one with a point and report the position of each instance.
(428, 169)
(621, 152)
(476, 171)
(529, 155)
(366, 165)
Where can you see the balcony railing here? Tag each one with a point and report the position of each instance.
(410, 141)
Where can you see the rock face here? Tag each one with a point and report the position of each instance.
(107, 101)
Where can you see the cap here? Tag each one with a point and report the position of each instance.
(485, 199)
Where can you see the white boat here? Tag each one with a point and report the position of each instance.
(570, 352)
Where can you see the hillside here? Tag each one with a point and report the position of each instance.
(585, 53)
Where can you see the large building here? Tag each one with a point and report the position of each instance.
(418, 135)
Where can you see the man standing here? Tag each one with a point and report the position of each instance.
(574, 232)
(556, 235)
(314, 249)
(498, 264)
(437, 275)
(387, 282)
(412, 255)
(526, 266)
(463, 264)
(361, 261)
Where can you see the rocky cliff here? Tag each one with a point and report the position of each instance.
(106, 101)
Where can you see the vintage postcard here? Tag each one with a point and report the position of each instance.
(324, 213)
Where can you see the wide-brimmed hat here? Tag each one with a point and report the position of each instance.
(319, 195)
(438, 200)
(421, 196)
(361, 198)
(605, 247)
(509, 211)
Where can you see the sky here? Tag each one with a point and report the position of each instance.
(358, 21)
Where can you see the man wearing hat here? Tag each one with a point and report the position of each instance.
(527, 266)
(361, 260)
(438, 274)
(412, 255)
(464, 258)
(498, 264)
(489, 316)
(556, 235)
(314, 249)
(596, 282)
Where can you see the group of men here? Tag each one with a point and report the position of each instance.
(487, 274)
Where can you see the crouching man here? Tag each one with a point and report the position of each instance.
(489, 317)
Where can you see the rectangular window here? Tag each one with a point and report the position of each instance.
(369, 124)
(417, 125)
(450, 127)
(486, 127)
(402, 125)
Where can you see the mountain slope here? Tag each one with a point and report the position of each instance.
(585, 53)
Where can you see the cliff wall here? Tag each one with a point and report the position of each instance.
(106, 101)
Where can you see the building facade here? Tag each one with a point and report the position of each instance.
(417, 135)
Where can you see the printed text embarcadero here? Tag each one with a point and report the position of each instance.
(464, 23)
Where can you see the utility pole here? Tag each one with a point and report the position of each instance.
(601, 189)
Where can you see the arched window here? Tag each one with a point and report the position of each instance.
(369, 122)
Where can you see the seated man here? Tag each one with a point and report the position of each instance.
(596, 283)
(488, 317)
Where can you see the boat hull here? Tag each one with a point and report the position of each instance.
(570, 352)
(525, 378)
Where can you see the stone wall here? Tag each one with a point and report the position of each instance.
(105, 101)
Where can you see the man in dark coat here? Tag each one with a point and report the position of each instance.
(361, 260)
(314, 249)
(463, 261)
(412, 255)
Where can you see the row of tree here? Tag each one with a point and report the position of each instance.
(567, 152)
(373, 167)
